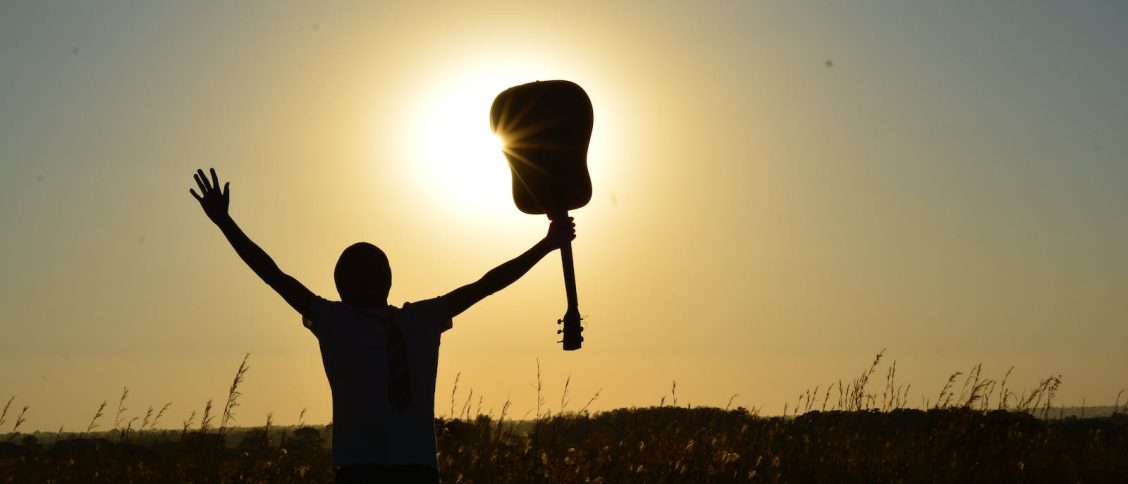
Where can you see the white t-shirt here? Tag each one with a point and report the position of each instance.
(354, 350)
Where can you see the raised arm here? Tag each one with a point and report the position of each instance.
(215, 203)
(502, 276)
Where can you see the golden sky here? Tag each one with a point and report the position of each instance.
(781, 190)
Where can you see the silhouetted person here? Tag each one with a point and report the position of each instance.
(381, 360)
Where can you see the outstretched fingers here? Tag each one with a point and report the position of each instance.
(193, 192)
(201, 182)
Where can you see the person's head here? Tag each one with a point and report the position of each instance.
(363, 275)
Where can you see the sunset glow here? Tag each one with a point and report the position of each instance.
(779, 191)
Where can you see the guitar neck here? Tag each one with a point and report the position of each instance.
(569, 275)
(569, 272)
(571, 321)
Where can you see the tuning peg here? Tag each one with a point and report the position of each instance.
(559, 331)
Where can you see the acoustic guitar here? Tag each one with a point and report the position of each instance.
(546, 128)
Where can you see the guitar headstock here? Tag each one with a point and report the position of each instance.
(571, 330)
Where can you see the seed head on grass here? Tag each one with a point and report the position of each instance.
(145, 420)
(564, 394)
(597, 392)
(20, 419)
(233, 395)
(206, 418)
(466, 405)
(945, 397)
(540, 394)
(4, 413)
(888, 399)
(188, 423)
(858, 400)
(160, 413)
(94, 421)
(971, 375)
(453, 391)
(1004, 394)
(121, 407)
(504, 411)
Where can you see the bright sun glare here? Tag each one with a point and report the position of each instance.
(459, 158)
(453, 159)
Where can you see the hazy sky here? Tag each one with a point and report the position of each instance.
(781, 190)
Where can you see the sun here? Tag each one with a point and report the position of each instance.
(459, 159)
(445, 150)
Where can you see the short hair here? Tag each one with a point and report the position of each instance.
(362, 270)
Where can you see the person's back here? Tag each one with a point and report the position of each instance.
(367, 426)
(381, 361)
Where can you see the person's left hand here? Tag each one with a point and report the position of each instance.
(214, 202)
(560, 232)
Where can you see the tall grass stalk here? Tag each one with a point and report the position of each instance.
(4, 413)
(453, 391)
(206, 417)
(94, 421)
(233, 395)
(564, 394)
(160, 413)
(20, 419)
(120, 407)
(583, 410)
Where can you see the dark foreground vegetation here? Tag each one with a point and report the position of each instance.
(659, 444)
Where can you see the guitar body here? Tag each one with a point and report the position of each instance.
(546, 128)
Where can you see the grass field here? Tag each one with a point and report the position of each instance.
(980, 433)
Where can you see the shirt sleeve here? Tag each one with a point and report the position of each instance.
(432, 312)
(318, 321)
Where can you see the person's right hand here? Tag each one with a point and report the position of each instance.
(560, 232)
(214, 202)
